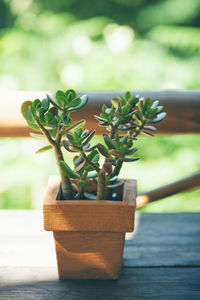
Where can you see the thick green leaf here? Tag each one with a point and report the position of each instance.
(26, 110)
(37, 135)
(90, 196)
(83, 183)
(71, 92)
(102, 149)
(45, 104)
(154, 104)
(152, 128)
(147, 104)
(115, 185)
(44, 149)
(108, 141)
(125, 109)
(68, 171)
(92, 175)
(127, 95)
(85, 134)
(89, 137)
(159, 118)
(131, 151)
(92, 154)
(75, 102)
(66, 145)
(33, 126)
(61, 97)
(84, 100)
(77, 125)
(100, 119)
(53, 102)
(126, 159)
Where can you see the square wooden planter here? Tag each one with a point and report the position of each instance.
(89, 234)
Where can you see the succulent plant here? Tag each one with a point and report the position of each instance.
(125, 119)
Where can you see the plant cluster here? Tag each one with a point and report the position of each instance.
(124, 120)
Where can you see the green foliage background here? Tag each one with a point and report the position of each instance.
(100, 45)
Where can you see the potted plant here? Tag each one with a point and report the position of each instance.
(88, 208)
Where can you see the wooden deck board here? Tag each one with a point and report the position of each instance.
(161, 261)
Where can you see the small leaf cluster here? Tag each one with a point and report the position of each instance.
(54, 116)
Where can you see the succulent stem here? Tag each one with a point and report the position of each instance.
(67, 189)
(101, 188)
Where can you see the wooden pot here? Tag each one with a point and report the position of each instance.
(89, 234)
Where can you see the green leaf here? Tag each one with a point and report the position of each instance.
(71, 92)
(44, 149)
(36, 105)
(61, 97)
(26, 110)
(125, 109)
(92, 154)
(95, 159)
(115, 102)
(147, 104)
(127, 95)
(104, 107)
(115, 185)
(89, 137)
(114, 178)
(159, 118)
(66, 145)
(100, 119)
(102, 149)
(152, 128)
(36, 135)
(108, 141)
(83, 183)
(92, 175)
(77, 125)
(53, 102)
(84, 100)
(33, 126)
(75, 102)
(90, 196)
(85, 134)
(45, 104)
(68, 171)
(126, 159)
(131, 151)
(154, 104)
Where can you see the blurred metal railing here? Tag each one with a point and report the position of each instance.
(183, 116)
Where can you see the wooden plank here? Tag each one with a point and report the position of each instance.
(164, 240)
(182, 107)
(158, 240)
(134, 284)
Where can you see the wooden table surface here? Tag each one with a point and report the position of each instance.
(161, 261)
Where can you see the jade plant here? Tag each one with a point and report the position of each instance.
(124, 120)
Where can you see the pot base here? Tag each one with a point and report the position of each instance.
(89, 255)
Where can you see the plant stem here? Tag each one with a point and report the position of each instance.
(101, 189)
(67, 189)
(46, 133)
(90, 162)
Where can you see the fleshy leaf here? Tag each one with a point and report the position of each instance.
(115, 185)
(44, 149)
(68, 171)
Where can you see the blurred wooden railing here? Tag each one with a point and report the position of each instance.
(183, 116)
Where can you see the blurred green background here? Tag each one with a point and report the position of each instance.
(100, 45)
